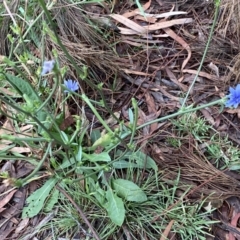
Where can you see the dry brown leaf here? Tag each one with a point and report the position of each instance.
(174, 36)
(2, 209)
(137, 11)
(68, 121)
(26, 127)
(111, 121)
(234, 222)
(174, 79)
(150, 103)
(142, 118)
(153, 27)
(233, 111)
(16, 208)
(4, 234)
(166, 24)
(165, 15)
(132, 43)
(167, 230)
(214, 68)
(127, 31)
(6, 128)
(5, 200)
(7, 92)
(188, 78)
(149, 15)
(152, 110)
(20, 150)
(160, 35)
(129, 23)
(2, 58)
(202, 74)
(4, 145)
(208, 116)
(146, 19)
(155, 87)
(139, 40)
(22, 225)
(136, 72)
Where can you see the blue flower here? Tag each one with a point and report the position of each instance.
(234, 97)
(47, 67)
(71, 85)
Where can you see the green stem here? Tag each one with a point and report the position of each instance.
(24, 181)
(86, 99)
(50, 96)
(134, 126)
(205, 52)
(182, 111)
(18, 139)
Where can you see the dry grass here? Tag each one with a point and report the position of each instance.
(196, 171)
(85, 45)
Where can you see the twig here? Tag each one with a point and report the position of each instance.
(217, 4)
(9, 12)
(79, 210)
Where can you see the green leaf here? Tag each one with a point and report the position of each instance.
(115, 208)
(101, 157)
(96, 191)
(130, 115)
(79, 154)
(41, 116)
(64, 137)
(52, 200)
(145, 161)
(141, 160)
(95, 135)
(124, 164)
(129, 190)
(67, 162)
(22, 86)
(103, 141)
(234, 167)
(36, 199)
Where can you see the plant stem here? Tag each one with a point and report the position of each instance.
(205, 52)
(182, 111)
(134, 126)
(24, 181)
(86, 99)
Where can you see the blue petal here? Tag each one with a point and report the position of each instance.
(228, 104)
(234, 97)
(75, 86)
(47, 67)
(238, 89)
(235, 105)
(71, 85)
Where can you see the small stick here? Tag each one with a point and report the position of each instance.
(79, 210)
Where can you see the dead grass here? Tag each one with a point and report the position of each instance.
(196, 171)
(84, 40)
